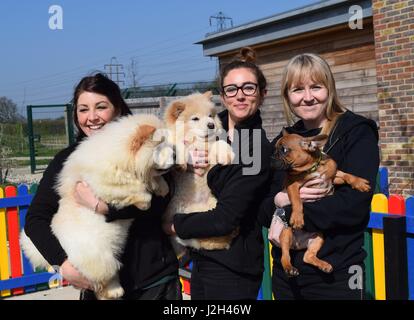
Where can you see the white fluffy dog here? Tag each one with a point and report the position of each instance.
(122, 164)
(193, 123)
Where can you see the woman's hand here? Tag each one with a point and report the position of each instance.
(197, 161)
(308, 193)
(275, 229)
(86, 198)
(72, 275)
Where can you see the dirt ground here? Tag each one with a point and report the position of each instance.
(23, 175)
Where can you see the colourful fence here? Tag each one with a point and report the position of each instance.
(389, 242)
(17, 276)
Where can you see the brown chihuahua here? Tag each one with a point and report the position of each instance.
(303, 160)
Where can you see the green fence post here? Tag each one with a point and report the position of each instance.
(369, 267)
(69, 117)
(267, 279)
(30, 136)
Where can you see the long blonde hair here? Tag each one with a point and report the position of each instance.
(311, 66)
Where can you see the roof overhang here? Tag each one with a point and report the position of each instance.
(321, 15)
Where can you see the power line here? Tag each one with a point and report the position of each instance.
(221, 21)
(115, 75)
(160, 51)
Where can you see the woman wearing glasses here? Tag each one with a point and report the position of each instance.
(235, 273)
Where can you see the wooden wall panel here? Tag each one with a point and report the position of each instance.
(351, 56)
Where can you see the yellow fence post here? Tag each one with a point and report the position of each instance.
(4, 253)
(379, 205)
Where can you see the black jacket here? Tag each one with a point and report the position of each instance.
(343, 216)
(238, 198)
(148, 255)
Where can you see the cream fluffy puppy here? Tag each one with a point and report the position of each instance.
(193, 124)
(122, 164)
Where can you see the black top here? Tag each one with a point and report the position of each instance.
(148, 255)
(343, 216)
(238, 198)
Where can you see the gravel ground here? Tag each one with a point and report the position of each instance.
(23, 175)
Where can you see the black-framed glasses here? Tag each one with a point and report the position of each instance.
(248, 89)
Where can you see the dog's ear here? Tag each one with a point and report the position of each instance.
(311, 144)
(173, 112)
(284, 132)
(143, 133)
(208, 95)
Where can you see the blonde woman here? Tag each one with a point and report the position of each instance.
(309, 95)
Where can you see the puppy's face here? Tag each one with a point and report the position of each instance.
(195, 115)
(293, 151)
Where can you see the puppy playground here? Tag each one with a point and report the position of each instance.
(389, 243)
(373, 68)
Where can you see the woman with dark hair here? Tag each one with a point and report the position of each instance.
(102, 85)
(150, 267)
(235, 273)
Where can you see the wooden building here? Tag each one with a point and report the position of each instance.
(342, 32)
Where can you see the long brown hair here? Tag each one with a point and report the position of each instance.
(311, 66)
(101, 84)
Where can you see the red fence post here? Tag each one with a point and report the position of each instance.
(13, 236)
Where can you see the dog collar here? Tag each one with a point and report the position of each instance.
(316, 165)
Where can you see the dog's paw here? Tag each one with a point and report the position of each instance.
(221, 153)
(296, 221)
(327, 268)
(111, 293)
(225, 159)
(291, 271)
(361, 185)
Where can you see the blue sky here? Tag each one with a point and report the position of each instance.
(41, 66)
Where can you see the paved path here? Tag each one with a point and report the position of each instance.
(63, 293)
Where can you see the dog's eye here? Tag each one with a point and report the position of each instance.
(285, 150)
(210, 115)
(195, 119)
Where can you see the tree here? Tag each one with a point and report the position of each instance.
(5, 162)
(8, 111)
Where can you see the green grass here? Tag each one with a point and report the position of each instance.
(26, 163)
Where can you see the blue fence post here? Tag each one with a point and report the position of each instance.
(383, 172)
(409, 207)
(23, 190)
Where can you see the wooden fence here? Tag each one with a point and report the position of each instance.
(17, 275)
(389, 242)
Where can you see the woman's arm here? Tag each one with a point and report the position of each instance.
(238, 198)
(39, 216)
(85, 197)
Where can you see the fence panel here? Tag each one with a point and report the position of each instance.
(4, 252)
(13, 237)
(390, 229)
(15, 279)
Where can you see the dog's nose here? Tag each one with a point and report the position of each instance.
(210, 125)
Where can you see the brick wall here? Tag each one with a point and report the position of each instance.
(394, 49)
